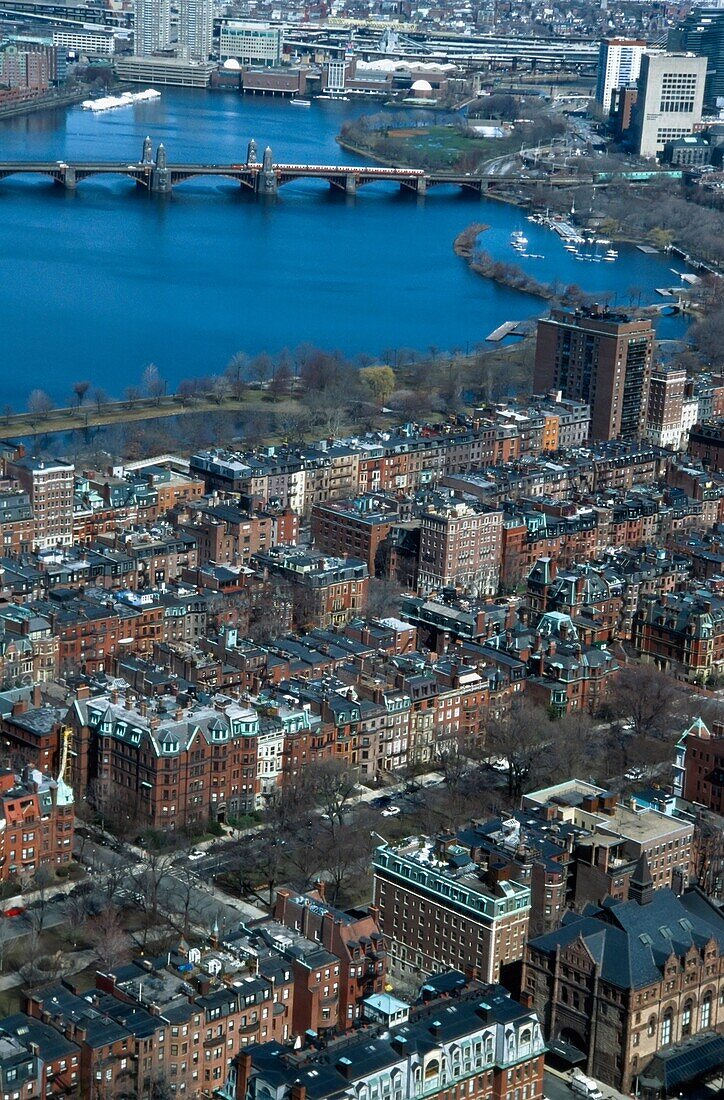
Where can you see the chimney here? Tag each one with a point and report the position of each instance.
(20, 706)
(37, 697)
(321, 888)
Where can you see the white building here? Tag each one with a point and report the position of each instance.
(152, 26)
(250, 43)
(336, 72)
(195, 29)
(88, 42)
(670, 100)
(619, 64)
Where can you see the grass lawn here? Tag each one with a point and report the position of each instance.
(446, 145)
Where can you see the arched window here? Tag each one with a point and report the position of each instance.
(721, 996)
(564, 995)
(705, 1013)
(651, 1029)
(666, 1021)
(432, 1069)
(686, 1017)
(525, 1038)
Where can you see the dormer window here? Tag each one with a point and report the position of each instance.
(170, 746)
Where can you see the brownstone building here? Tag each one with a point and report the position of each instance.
(355, 527)
(353, 937)
(624, 981)
(682, 634)
(706, 442)
(326, 591)
(37, 816)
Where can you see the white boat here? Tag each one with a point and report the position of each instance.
(518, 239)
(301, 102)
(570, 248)
(610, 255)
(125, 99)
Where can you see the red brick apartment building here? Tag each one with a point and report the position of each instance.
(357, 527)
(37, 816)
(353, 937)
(699, 766)
(600, 358)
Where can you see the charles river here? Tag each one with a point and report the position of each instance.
(97, 283)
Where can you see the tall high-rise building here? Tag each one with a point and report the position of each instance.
(666, 406)
(195, 29)
(601, 358)
(152, 27)
(669, 102)
(702, 33)
(619, 62)
(49, 484)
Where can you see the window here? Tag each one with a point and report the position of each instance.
(666, 1028)
(705, 1018)
(686, 1019)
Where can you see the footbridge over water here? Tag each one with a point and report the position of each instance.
(159, 177)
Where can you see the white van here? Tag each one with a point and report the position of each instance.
(585, 1087)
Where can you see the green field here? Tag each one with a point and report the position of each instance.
(431, 147)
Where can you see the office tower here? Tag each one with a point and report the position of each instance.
(601, 358)
(702, 33)
(152, 26)
(619, 62)
(250, 43)
(195, 29)
(669, 102)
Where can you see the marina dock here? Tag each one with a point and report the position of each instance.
(508, 328)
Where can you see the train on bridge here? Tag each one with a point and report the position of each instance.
(158, 176)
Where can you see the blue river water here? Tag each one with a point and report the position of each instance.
(97, 283)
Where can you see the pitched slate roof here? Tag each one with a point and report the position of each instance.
(631, 943)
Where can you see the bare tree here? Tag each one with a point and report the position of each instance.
(522, 739)
(333, 788)
(80, 389)
(109, 940)
(645, 697)
(281, 383)
(40, 403)
(38, 911)
(183, 901)
(99, 397)
(153, 383)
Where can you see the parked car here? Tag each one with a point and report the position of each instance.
(391, 811)
(196, 853)
(14, 911)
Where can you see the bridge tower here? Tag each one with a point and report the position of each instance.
(161, 176)
(251, 153)
(147, 154)
(266, 180)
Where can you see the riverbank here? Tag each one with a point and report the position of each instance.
(510, 275)
(46, 102)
